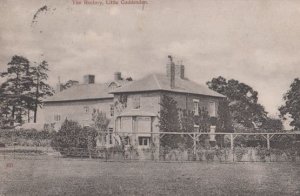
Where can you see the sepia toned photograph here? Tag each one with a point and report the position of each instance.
(149, 97)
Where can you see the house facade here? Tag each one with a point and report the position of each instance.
(80, 101)
(138, 104)
(133, 107)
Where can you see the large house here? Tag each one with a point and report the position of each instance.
(80, 100)
(134, 107)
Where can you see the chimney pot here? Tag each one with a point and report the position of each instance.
(89, 79)
(117, 76)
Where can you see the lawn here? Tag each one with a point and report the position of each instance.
(93, 177)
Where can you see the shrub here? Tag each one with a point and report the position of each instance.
(262, 153)
(72, 135)
(240, 152)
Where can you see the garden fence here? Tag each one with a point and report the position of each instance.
(233, 147)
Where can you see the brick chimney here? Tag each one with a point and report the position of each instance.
(178, 69)
(171, 71)
(89, 79)
(117, 76)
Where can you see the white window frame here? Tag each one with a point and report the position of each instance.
(143, 139)
(196, 107)
(212, 108)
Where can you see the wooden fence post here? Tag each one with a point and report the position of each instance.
(194, 138)
(231, 141)
(268, 141)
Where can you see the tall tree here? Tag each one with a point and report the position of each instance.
(242, 99)
(16, 86)
(169, 121)
(101, 123)
(291, 106)
(40, 88)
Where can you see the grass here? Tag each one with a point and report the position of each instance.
(93, 177)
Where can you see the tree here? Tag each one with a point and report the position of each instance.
(69, 84)
(40, 88)
(169, 121)
(101, 123)
(16, 87)
(242, 100)
(291, 106)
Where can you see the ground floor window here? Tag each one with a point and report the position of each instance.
(144, 141)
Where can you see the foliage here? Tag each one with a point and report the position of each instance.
(224, 120)
(22, 91)
(272, 125)
(25, 137)
(120, 103)
(39, 88)
(169, 122)
(100, 124)
(240, 152)
(16, 87)
(68, 84)
(291, 106)
(72, 135)
(242, 100)
(262, 152)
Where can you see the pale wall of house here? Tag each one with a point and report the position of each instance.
(75, 110)
(185, 101)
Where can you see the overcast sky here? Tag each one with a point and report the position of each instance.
(256, 42)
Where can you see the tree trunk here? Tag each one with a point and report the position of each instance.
(13, 116)
(35, 113)
(36, 99)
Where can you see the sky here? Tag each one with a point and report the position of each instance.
(255, 42)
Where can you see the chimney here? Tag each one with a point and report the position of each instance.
(171, 72)
(89, 79)
(179, 71)
(117, 76)
(58, 86)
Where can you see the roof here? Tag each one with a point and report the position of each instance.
(160, 82)
(85, 92)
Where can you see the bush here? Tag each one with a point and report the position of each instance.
(25, 137)
(240, 152)
(72, 136)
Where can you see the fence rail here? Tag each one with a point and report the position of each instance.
(233, 152)
(239, 154)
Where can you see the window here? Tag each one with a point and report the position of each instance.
(212, 109)
(196, 107)
(111, 109)
(57, 117)
(86, 109)
(144, 124)
(136, 102)
(144, 141)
